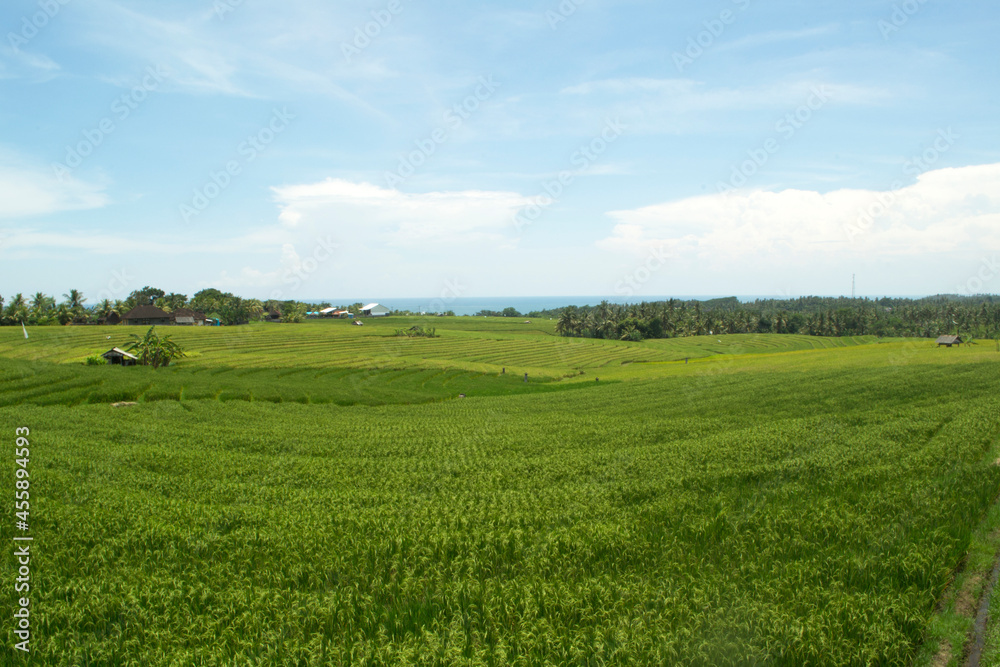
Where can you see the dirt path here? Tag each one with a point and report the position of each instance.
(978, 641)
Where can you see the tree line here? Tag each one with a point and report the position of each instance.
(977, 316)
(228, 308)
(815, 316)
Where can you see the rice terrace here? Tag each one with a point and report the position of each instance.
(496, 494)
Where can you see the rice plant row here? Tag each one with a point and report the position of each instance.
(810, 514)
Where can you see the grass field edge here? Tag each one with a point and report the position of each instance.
(951, 629)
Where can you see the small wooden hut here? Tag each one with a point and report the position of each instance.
(948, 341)
(118, 357)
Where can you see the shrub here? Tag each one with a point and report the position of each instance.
(417, 331)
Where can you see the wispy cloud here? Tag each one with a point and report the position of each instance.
(130, 242)
(19, 63)
(687, 95)
(775, 37)
(28, 190)
(209, 56)
(674, 106)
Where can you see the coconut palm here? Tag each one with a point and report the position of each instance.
(569, 322)
(293, 312)
(63, 314)
(17, 309)
(42, 302)
(104, 309)
(74, 299)
(254, 309)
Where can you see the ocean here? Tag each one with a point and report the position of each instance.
(523, 304)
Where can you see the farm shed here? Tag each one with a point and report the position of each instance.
(119, 357)
(375, 310)
(188, 317)
(949, 340)
(147, 315)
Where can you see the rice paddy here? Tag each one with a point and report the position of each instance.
(321, 494)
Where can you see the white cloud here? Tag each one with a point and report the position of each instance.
(371, 215)
(948, 211)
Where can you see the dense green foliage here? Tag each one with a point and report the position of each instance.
(814, 316)
(153, 350)
(972, 316)
(229, 308)
(778, 500)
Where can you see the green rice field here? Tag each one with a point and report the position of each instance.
(321, 494)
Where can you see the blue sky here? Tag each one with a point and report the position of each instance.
(314, 150)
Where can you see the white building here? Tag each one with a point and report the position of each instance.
(374, 310)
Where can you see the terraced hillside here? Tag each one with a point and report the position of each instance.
(321, 344)
(319, 494)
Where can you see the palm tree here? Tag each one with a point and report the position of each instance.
(569, 322)
(63, 314)
(42, 302)
(293, 313)
(255, 309)
(107, 308)
(175, 301)
(74, 299)
(17, 309)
